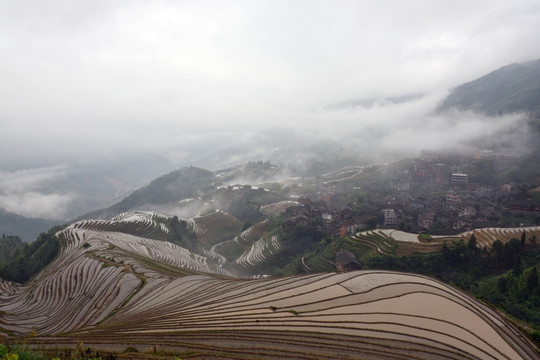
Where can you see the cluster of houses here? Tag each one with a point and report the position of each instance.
(457, 205)
(337, 221)
(457, 210)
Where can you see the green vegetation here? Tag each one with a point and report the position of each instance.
(180, 235)
(20, 351)
(462, 263)
(512, 88)
(321, 259)
(180, 184)
(296, 240)
(28, 260)
(515, 292)
(24, 351)
(216, 227)
(8, 245)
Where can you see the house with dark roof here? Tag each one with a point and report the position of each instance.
(347, 261)
(521, 205)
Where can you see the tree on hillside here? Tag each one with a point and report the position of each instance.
(512, 250)
(472, 246)
(437, 228)
(502, 284)
(371, 223)
(498, 249)
(181, 235)
(31, 258)
(532, 279)
(518, 268)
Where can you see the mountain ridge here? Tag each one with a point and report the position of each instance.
(509, 89)
(177, 185)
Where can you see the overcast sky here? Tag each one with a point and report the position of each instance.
(97, 77)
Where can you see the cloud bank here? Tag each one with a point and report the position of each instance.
(93, 80)
(25, 192)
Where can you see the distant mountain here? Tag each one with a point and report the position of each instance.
(295, 152)
(376, 101)
(187, 182)
(510, 89)
(25, 228)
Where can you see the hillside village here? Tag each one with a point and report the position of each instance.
(422, 195)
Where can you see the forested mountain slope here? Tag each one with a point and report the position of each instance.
(177, 185)
(510, 89)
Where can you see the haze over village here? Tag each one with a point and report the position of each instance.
(126, 92)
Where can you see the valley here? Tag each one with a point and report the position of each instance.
(327, 254)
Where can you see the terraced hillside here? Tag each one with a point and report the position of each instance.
(112, 290)
(394, 242)
(487, 236)
(97, 271)
(142, 223)
(214, 227)
(249, 249)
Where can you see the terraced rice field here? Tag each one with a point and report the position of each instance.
(374, 315)
(323, 261)
(112, 290)
(374, 241)
(95, 273)
(486, 237)
(346, 173)
(403, 244)
(277, 208)
(141, 223)
(7, 287)
(252, 246)
(259, 251)
(215, 227)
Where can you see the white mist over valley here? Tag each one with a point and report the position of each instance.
(124, 92)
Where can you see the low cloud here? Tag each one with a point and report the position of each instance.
(460, 132)
(29, 179)
(36, 205)
(406, 128)
(184, 81)
(29, 192)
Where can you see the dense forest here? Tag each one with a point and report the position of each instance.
(29, 259)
